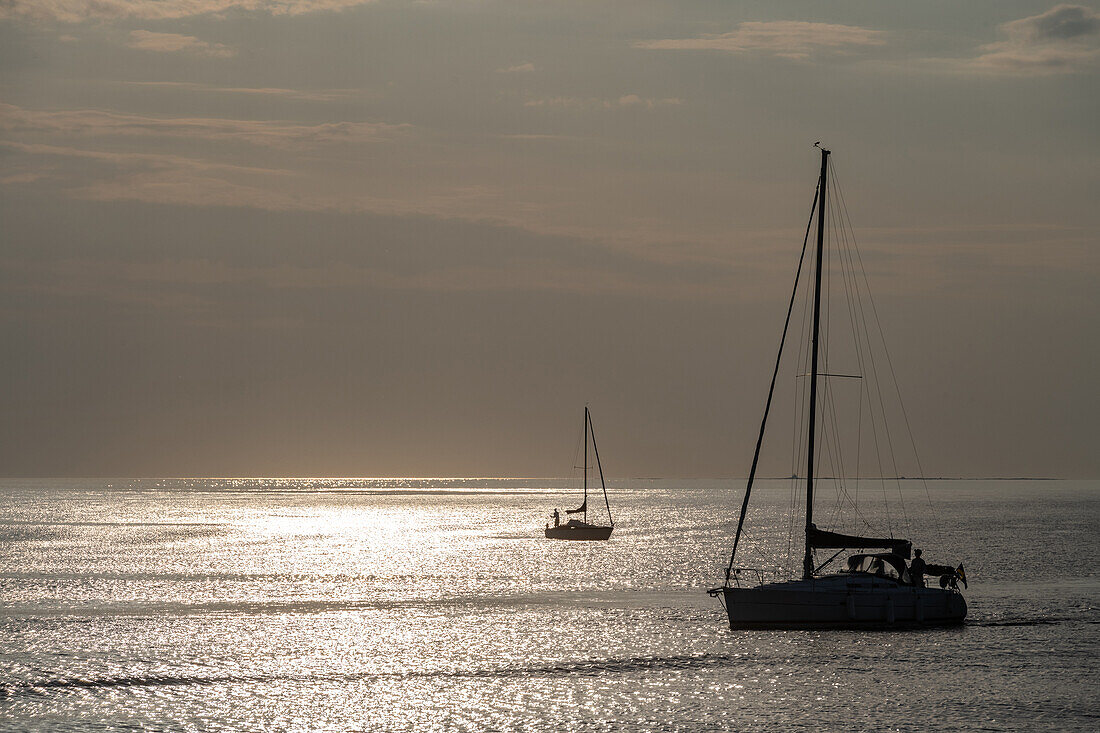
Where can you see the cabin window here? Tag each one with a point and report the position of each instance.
(879, 566)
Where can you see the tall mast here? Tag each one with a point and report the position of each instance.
(808, 559)
(585, 504)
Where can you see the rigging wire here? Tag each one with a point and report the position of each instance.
(852, 247)
(576, 466)
(830, 430)
(874, 383)
(854, 320)
(833, 442)
(850, 285)
(897, 388)
(839, 239)
(799, 445)
(771, 389)
(878, 385)
(798, 425)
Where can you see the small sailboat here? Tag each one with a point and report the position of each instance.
(873, 589)
(580, 529)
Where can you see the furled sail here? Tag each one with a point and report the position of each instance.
(582, 508)
(818, 538)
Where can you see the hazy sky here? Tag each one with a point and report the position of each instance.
(333, 237)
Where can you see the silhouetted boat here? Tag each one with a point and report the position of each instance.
(575, 529)
(873, 589)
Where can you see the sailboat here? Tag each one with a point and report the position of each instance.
(874, 589)
(578, 529)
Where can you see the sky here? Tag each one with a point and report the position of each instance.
(394, 238)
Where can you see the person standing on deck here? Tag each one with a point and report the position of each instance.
(917, 568)
(557, 518)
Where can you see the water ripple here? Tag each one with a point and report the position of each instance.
(583, 668)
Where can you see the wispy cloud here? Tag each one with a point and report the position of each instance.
(164, 178)
(311, 95)
(76, 153)
(134, 161)
(517, 69)
(626, 100)
(784, 38)
(1064, 39)
(77, 11)
(275, 134)
(151, 177)
(176, 43)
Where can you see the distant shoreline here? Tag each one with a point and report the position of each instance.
(527, 478)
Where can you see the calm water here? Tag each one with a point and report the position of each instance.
(437, 605)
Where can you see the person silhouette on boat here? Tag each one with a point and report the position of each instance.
(917, 569)
(557, 518)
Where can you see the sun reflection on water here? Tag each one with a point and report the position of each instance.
(254, 604)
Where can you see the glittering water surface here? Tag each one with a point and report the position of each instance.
(437, 604)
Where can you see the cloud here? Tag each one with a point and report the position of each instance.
(626, 100)
(312, 95)
(149, 177)
(520, 68)
(161, 178)
(49, 151)
(274, 134)
(1064, 39)
(176, 43)
(78, 11)
(1060, 23)
(784, 38)
(131, 161)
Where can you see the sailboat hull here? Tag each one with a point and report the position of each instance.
(578, 531)
(840, 602)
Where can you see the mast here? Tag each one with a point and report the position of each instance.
(808, 559)
(603, 484)
(585, 504)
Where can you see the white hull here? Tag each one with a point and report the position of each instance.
(839, 601)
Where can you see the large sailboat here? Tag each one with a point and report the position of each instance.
(580, 529)
(875, 587)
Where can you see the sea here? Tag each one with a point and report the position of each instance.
(438, 605)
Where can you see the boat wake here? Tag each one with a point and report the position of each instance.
(1044, 621)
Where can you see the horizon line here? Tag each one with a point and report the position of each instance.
(536, 478)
